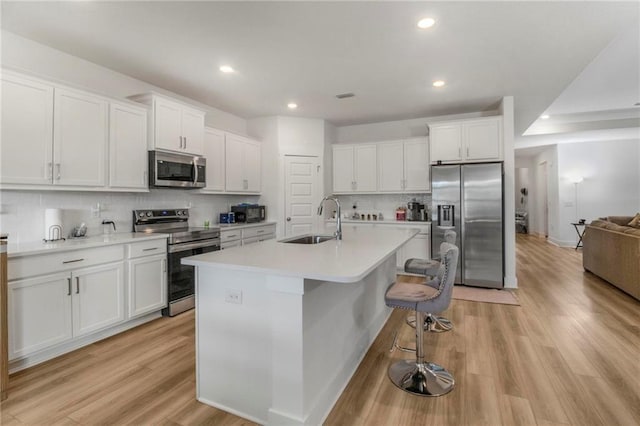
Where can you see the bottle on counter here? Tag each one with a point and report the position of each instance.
(401, 213)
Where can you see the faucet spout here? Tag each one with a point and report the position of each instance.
(110, 222)
(338, 233)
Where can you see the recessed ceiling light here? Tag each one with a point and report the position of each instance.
(426, 23)
(545, 116)
(226, 69)
(292, 105)
(438, 83)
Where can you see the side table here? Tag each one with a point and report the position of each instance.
(580, 232)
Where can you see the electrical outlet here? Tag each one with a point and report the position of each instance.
(232, 295)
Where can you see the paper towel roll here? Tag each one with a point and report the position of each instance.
(53, 224)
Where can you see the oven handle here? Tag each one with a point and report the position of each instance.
(195, 169)
(175, 248)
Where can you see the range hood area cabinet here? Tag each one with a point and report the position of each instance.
(173, 126)
(473, 140)
(55, 137)
(400, 166)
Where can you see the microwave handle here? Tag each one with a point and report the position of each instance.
(195, 174)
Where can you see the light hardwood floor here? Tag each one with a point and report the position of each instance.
(569, 355)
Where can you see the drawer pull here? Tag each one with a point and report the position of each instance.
(230, 236)
(73, 261)
(261, 231)
(149, 249)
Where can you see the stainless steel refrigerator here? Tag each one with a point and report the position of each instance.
(468, 198)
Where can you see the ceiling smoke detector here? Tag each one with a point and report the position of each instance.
(345, 95)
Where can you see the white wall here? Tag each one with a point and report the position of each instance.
(283, 136)
(22, 212)
(42, 61)
(506, 108)
(611, 172)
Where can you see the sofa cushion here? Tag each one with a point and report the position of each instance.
(633, 231)
(613, 227)
(599, 223)
(635, 222)
(620, 220)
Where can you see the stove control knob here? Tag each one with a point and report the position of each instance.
(149, 214)
(184, 212)
(178, 212)
(141, 214)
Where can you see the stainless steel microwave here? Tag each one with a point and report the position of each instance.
(176, 170)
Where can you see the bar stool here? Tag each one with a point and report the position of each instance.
(421, 377)
(429, 267)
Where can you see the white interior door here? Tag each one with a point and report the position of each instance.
(302, 194)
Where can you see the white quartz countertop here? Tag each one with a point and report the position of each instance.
(360, 251)
(40, 247)
(224, 226)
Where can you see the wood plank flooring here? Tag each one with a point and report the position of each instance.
(568, 356)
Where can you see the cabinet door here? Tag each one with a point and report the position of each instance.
(167, 124)
(80, 139)
(366, 168)
(390, 167)
(39, 313)
(127, 147)
(98, 297)
(27, 131)
(193, 132)
(147, 285)
(343, 162)
(446, 142)
(214, 153)
(234, 173)
(483, 139)
(252, 159)
(416, 166)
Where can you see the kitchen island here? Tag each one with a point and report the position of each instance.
(281, 327)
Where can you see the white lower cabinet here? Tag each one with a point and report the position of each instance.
(147, 285)
(247, 234)
(52, 309)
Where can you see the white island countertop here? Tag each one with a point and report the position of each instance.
(350, 260)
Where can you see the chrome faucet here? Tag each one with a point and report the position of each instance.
(338, 232)
(110, 222)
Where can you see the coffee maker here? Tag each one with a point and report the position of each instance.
(414, 210)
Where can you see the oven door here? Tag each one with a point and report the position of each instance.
(182, 277)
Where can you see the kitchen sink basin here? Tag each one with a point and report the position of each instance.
(309, 239)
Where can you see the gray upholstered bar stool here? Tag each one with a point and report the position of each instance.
(429, 267)
(419, 377)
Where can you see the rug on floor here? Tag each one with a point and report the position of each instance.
(487, 295)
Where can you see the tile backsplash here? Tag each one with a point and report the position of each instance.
(22, 212)
(381, 203)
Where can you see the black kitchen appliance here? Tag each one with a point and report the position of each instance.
(249, 213)
(183, 241)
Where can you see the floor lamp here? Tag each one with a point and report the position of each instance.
(576, 180)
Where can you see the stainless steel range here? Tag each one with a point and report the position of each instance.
(184, 241)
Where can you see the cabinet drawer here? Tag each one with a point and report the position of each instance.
(230, 235)
(258, 231)
(229, 244)
(30, 266)
(146, 248)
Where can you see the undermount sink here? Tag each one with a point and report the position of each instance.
(309, 239)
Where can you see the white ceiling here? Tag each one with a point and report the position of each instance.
(308, 52)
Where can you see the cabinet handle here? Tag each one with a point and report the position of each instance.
(73, 261)
(77, 285)
(231, 236)
(185, 142)
(49, 170)
(58, 174)
(150, 249)
(180, 142)
(68, 286)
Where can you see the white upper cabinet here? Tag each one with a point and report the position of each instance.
(355, 168)
(127, 147)
(79, 138)
(403, 166)
(173, 126)
(215, 155)
(27, 131)
(243, 160)
(478, 139)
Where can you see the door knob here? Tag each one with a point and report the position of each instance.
(288, 219)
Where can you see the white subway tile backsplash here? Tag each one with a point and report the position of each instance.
(22, 212)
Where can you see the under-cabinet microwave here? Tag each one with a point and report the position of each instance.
(176, 170)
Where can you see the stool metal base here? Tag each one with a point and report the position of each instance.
(423, 379)
(438, 324)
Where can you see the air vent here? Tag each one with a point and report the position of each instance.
(345, 95)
